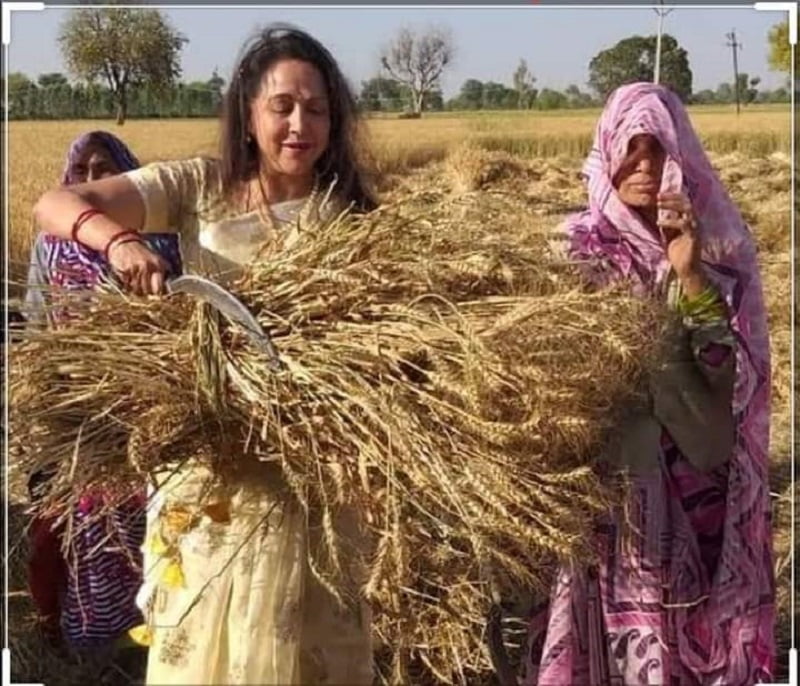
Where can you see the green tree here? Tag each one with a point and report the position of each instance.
(633, 59)
(704, 97)
(748, 88)
(725, 93)
(216, 84)
(19, 81)
(778, 95)
(435, 101)
(380, 94)
(577, 98)
(21, 91)
(523, 81)
(780, 54)
(197, 100)
(551, 100)
(127, 48)
(471, 95)
(52, 79)
(497, 96)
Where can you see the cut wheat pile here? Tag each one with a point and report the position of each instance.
(455, 385)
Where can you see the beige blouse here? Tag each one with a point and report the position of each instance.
(216, 238)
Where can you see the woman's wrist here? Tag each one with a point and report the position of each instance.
(97, 231)
(693, 283)
(120, 238)
(706, 306)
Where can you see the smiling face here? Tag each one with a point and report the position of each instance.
(290, 118)
(639, 177)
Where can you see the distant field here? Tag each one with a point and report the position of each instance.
(401, 143)
(37, 149)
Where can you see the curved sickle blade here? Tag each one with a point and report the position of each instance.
(229, 305)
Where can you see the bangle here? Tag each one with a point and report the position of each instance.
(115, 239)
(83, 217)
(127, 240)
(707, 305)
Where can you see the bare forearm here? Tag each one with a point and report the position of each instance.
(57, 211)
(116, 198)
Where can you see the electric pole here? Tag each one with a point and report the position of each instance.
(661, 12)
(735, 46)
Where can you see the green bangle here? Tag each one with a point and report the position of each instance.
(705, 305)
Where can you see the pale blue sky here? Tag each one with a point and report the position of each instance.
(557, 43)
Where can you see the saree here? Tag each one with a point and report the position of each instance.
(691, 599)
(85, 592)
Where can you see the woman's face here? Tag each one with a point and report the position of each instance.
(290, 118)
(639, 177)
(94, 163)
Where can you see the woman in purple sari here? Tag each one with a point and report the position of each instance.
(87, 595)
(683, 591)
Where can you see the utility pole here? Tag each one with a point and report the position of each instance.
(661, 12)
(735, 47)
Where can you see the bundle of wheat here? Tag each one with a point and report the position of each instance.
(454, 385)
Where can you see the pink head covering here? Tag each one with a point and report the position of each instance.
(614, 243)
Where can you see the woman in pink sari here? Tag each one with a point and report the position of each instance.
(682, 593)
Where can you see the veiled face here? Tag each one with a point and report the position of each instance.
(639, 177)
(95, 162)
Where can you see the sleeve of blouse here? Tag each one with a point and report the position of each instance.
(692, 386)
(711, 340)
(170, 191)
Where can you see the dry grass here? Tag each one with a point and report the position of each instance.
(458, 397)
(536, 195)
(761, 189)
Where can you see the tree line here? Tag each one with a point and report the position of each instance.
(127, 62)
(52, 96)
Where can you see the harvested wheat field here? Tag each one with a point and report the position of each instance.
(487, 219)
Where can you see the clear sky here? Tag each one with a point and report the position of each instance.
(557, 43)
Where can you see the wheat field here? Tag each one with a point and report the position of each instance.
(36, 149)
(536, 157)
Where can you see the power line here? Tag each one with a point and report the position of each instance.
(735, 46)
(661, 12)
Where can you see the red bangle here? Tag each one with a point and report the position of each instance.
(83, 217)
(116, 238)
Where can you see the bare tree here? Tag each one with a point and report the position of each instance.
(418, 60)
(523, 83)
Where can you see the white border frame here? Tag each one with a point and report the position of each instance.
(791, 8)
(9, 7)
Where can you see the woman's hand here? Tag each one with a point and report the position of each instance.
(140, 269)
(679, 227)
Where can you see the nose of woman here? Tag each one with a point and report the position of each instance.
(644, 164)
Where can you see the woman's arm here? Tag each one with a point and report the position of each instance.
(122, 209)
(693, 386)
(116, 197)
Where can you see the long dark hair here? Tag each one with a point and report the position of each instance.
(239, 153)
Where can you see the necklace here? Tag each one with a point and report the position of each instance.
(267, 216)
